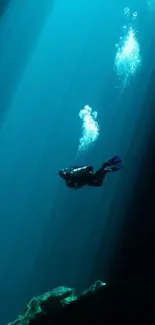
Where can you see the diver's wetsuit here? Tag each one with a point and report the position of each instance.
(79, 176)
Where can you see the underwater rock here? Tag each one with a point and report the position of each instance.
(45, 306)
(97, 304)
(51, 307)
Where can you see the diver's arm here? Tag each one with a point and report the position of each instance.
(72, 184)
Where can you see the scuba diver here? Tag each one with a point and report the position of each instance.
(80, 176)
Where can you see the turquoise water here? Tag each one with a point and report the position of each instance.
(73, 77)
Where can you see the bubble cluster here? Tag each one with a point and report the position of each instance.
(126, 11)
(90, 128)
(128, 58)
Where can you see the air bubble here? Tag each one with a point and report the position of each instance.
(127, 11)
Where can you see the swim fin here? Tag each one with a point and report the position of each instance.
(113, 161)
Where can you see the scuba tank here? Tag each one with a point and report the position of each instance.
(80, 171)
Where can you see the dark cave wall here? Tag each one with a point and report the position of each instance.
(132, 226)
(136, 251)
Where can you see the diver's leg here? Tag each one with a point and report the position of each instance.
(97, 178)
(114, 168)
(113, 161)
(111, 165)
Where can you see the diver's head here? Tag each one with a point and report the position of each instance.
(63, 173)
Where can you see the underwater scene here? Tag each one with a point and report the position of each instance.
(77, 157)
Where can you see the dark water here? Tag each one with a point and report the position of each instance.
(55, 57)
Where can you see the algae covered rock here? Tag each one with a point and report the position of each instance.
(61, 305)
(99, 304)
(45, 306)
(94, 288)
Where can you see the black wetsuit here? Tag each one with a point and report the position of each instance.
(79, 176)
